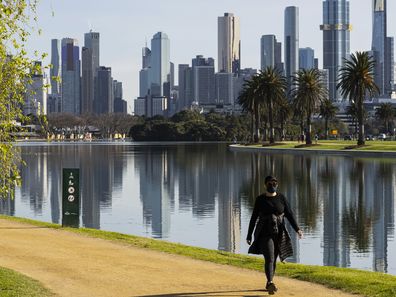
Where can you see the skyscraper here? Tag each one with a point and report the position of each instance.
(203, 80)
(336, 41)
(229, 44)
(291, 41)
(306, 58)
(90, 66)
(224, 88)
(271, 52)
(55, 71)
(389, 66)
(378, 45)
(105, 98)
(36, 92)
(160, 65)
(185, 86)
(70, 76)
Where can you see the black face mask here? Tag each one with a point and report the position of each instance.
(272, 187)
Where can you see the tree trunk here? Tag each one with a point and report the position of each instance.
(327, 128)
(252, 127)
(271, 123)
(283, 136)
(308, 137)
(257, 118)
(361, 124)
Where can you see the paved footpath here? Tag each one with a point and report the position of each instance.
(74, 265)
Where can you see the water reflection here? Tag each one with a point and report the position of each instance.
(204, 195)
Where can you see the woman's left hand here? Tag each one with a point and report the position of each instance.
(300, 234)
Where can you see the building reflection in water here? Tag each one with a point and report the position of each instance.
(347, 204)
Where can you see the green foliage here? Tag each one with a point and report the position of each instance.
(192, 126)
(386, 114)
(356, 81)
(15, 72)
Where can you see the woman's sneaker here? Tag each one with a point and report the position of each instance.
(271, 288)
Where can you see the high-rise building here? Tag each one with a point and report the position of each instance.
(87, 81)
(70, 76)
(291, 42)
(378, 45)
(120, 105)
(389, 66)
(271, 52)
(336, 41)
(224, 88)
(54, 99)
(105, 99)
(244, 76)
(185, 87)
(160, 65)
(55, 71)
(306, 58)
(229, 44)
(91, 41)
(36, 92)
(90, 66)
(203, 80)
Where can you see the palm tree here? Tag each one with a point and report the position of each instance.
(308, 92)
(246, 101)
(283, 113)
(272, 88)
(385, 113)
(356, 81)
(327, 110)
(351, 111)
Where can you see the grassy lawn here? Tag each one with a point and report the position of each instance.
(335, 145)
(13, 284)
(349, 280)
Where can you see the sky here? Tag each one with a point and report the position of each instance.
(125, 26)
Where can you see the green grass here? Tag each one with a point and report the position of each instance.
(348, 280)
(338, 145)
(13, 284)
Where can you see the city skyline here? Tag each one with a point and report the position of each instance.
(196, 35)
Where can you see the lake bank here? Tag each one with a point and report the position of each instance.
(63, 253)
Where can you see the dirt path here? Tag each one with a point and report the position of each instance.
(74, 265)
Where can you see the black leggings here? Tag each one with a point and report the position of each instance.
(271, 252)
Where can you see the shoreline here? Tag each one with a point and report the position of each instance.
(313, 151)
(348, 280)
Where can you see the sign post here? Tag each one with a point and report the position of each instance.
(71, 198)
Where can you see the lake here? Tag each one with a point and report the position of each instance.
(203, 195)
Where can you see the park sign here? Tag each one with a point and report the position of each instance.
(71, 198)
(334, 132)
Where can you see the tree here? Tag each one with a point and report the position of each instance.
(249, 102)
(271, 90)
(356, 81)
(14, 77)
(385, 113)
(308, 92)
(284, 113)
(328, 111)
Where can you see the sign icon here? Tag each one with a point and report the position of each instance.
(70, 198)
(71, 190)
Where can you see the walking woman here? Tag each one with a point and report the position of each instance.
(271, 238)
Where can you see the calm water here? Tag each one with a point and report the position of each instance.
(203, 194)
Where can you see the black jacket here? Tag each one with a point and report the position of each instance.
(270, 212)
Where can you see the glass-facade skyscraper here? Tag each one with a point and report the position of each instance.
(70, 76)
(291, 42)
(378, 45)
(306, 58)
(160, 65)
(336, 41)
(270, 52)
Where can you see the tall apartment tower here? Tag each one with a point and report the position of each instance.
(291, 42)
(70, 76)
(55, 71)
(105, 97)
(90, 66)
(229, 44)
(185, 87)
(389, 66)
(270, 52)
(160, 65)
(336, 41)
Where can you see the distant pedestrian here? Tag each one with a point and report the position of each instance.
(271, 238)
(316, 138)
